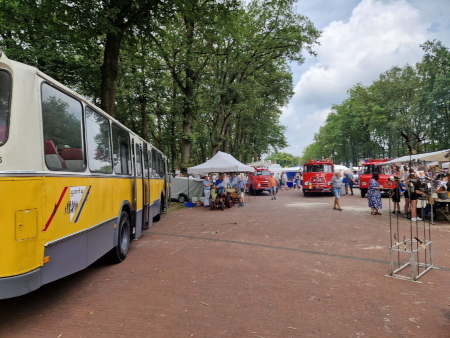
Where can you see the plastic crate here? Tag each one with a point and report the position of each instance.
(189, 204)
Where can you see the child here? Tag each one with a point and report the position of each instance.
(396, 196)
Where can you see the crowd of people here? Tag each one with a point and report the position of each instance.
(409, 187)
(222, 184)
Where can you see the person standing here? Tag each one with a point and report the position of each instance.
(278, 178)
(206, 190)
(396, 195)
(374, 195)
(414, 192)
(294, 182)
(220, 184)
(344, 181)
(284, 179)
(241, 187)
(336, 183)
(350, 181)
(272, 185)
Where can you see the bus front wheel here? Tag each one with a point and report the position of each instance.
(120, 251)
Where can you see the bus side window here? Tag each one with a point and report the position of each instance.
(5, 102)
(138, 160)
(162, 168)
(145, 153)
(63, 130)
(158, 164)
(98, 140)
(121, 150)
(150, 162)
(154, 163)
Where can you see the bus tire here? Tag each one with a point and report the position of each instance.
(120, 251)
(162, 206)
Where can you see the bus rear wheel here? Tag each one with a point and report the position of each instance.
(120, 251)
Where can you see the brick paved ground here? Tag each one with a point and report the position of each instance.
(286, 268)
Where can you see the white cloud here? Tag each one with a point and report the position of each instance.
(378, 35)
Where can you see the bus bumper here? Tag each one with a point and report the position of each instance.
(19, 285)
(326, 190)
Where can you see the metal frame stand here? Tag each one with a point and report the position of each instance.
(407, 247)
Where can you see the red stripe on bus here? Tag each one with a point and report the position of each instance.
(55, 210)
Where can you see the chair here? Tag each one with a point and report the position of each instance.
(52, 158)
(74, 158)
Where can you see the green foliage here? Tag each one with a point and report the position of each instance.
(193, 77)
(284, 159)
(370, 122)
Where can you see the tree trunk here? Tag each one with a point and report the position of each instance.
(144, 127)
(109, 72)
(186, 146)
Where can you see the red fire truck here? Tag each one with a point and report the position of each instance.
(371, 166)
(258, 181)
(317, 175)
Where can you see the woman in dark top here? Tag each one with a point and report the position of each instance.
(414, 192)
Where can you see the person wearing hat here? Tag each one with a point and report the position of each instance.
(396, 195)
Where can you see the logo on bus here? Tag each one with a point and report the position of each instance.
(76, 195)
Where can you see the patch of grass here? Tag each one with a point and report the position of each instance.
(174, 206)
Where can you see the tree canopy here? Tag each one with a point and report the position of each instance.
(193, 77)
(405, 109)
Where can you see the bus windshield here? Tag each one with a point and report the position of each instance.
(264, 172)
(5, 97)
(318, 168)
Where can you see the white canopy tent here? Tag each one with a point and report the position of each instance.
(221, 162)
(338, 167)
(277, 169)
(433, 156)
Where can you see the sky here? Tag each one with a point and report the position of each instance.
(360, 40)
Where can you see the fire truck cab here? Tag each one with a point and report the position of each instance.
(371, 166)
(317, 175)
(258, 180)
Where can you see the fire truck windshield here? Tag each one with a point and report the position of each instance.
(371, 168)
(318, 168)
(263, 172)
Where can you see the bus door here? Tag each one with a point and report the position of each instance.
(145, 188)
(168, 183)
(137, 194)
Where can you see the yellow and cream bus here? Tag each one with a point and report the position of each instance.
(75, 184)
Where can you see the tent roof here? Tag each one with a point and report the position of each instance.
(276, 168)
(221, 162)
(433, 156)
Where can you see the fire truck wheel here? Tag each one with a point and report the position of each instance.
(305, 193)
(363, 193)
